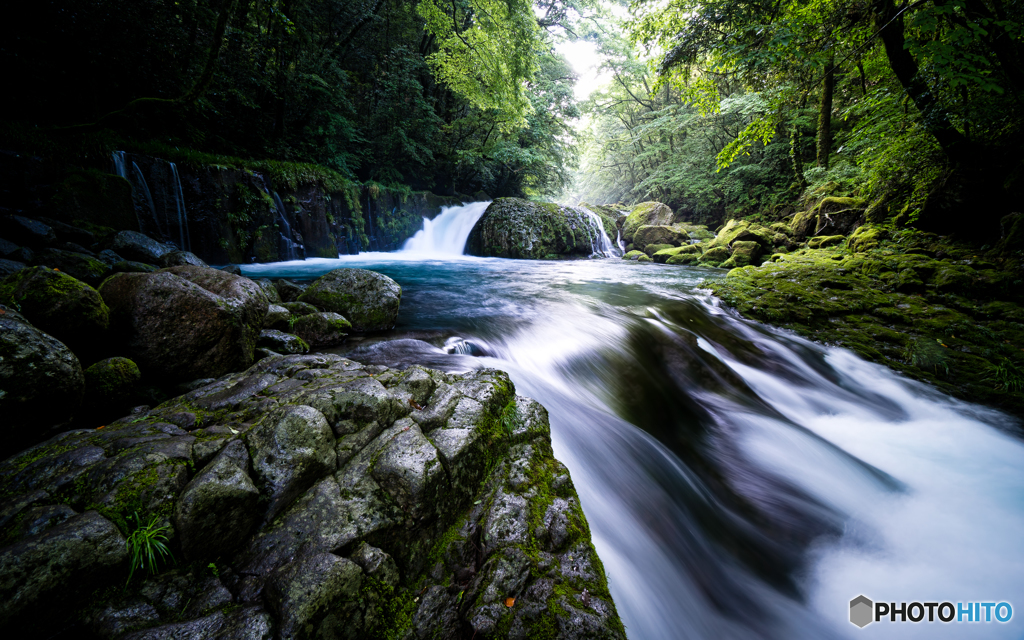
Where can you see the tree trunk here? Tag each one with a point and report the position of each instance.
(825, 115)
(211, 61)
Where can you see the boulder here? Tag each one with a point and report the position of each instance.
(69, 310)
(321, 329)
(281, 342)
(269, 290)
(109, 258)
(646, 214)
(289, 291)
(110, 387)
(25, 231)
(139, 247)
(682, 258)
(369, 300)
(299, 308)
(41, 381)
(516, 228)
(744, 252)
(217, 509)
(57, 565)
(660, 234)
(8, 267)
(277, 318)
(663, 255)
(744, 231)
(318, 596)
(633, 255)
(714, 256)
(179, 258)
(130, 266)
(186, 322)
(291, 449)
(69, 233)
(866, 237)
(78, 265)
(652, 249)
(820, 242)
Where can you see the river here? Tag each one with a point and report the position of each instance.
(740, 482)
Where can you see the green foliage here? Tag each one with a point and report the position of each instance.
(1008, 376)
(147, 545)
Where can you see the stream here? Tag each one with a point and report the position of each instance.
(739, 481)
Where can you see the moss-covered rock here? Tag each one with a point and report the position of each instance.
(866, 237)
(683, 259)
(652, 249)
(646, 214)
(77, 265)
(281, 342)
(321, 329)
(392, 519)
(714, 256)
(278, 318)
(744, 252)
(663, 255)
(650, 234)
(298, 309)
(633, 255)
(367, 299)
(110, 386)
(515, 228)
(744, 231)
(820, 242)
(66, 308)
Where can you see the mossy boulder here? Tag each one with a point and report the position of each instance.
(714, 256)
(516, 228)
(139, 247)
(663, 255)
(110, 387)
(62, 306)
(633, 255)
(744, 231)
(277, 318)
(281, 342)
(186, 322)
(866, 237)
(651, 249)
(683, 258)
(78, 265)
(744, 252)
(26, 231)
(820, 242)
(41, 382)
(650, 234)
(646, 214)
(367, 299)
(179, 258)
(831, 215)
(322, 329)
(299, 309)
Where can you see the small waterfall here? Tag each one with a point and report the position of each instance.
(120, 165)
(140, 184)
(619, 242)
(179, 204)
(287, 241)
(600, 243)
(447, 233)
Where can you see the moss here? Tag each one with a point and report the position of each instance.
(110, 378)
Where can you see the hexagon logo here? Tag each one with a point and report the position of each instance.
(860, 611)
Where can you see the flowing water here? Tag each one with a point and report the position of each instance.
(740, 482)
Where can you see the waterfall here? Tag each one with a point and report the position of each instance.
(600, 243)
(618, 241)
(144, 188)
(179, 204)
(447, 233)
(287, 240)
(120, 166)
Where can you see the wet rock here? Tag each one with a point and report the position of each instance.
(317, 596)
(367, 299)
(516, 228)
(41, 381)
(321, 329)
(437, 615)
(61, 562)
(25, 231)
(659, 234)
(409, 469)
(110, 387)
(130, 266)
(115, 620)
(281, 342)
(186, 321)
(645, 214)
(179, 258)
(651, 249)
(299, 308)
(109, 258)
(70, 233)
(744, 252)
(714, 256)
(291, 449)
(376, 564)
(269, 290)
(8, 267)
(217, 509)
(78, 265)
(139, 247)
(288, 290)
(54, 302)
(277, 318)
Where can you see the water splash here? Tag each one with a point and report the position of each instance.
(446, 234)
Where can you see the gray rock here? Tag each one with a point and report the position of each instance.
(299, 308)
(437, 615)
(217, 510)
(288, 290)
(139, 247)
(409, 469)
(109, 257)
(25, 231)
(321, 329)
(186, 322)
(281, 342)
(180, 258)
(41, 381)
(8, 267)
(277, 318)
(376, 564)
(116, 619)
(317, 596)
(269, 290)
(291, 449)
(69, 233)
(59, 563)
(207, 627)
(369, 300)
(132, 266)
(54, 302)
(78, 265)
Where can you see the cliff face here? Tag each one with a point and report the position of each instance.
(309, 496)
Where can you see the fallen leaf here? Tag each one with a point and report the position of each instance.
(233, 431)
(100, 427)
(510, 602)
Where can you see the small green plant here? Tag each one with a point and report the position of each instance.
(1008, 376)
(213, 569)
(147, 545)
(510, 419)
(927, 354)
